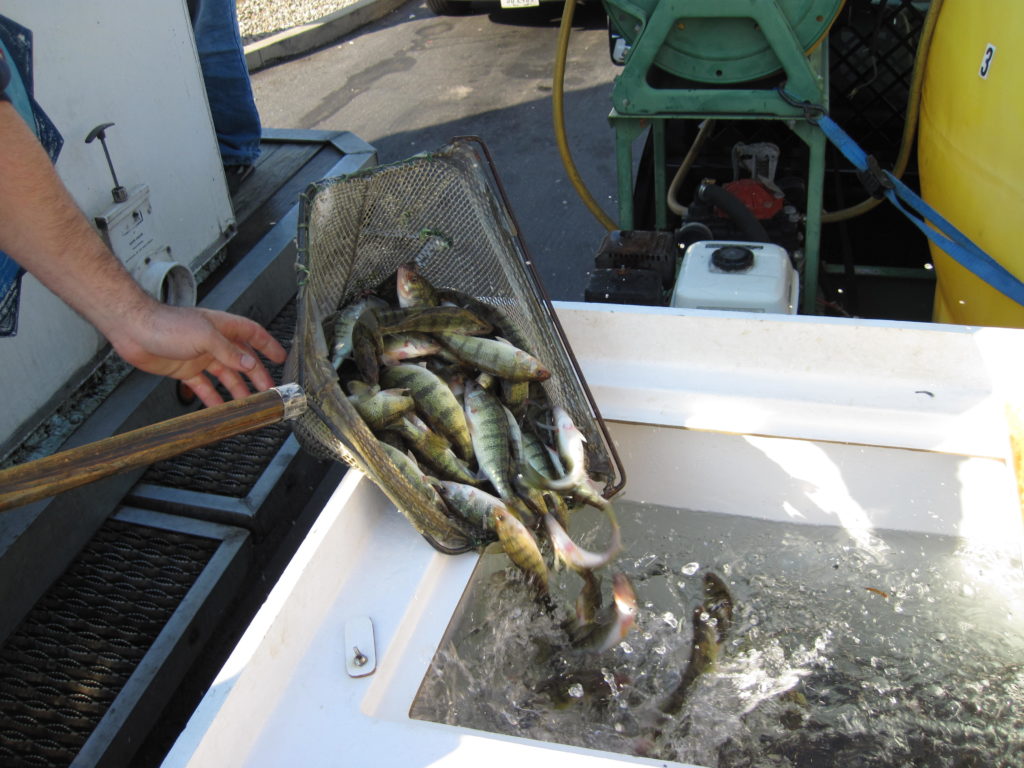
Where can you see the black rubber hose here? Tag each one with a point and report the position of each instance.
(742, 217)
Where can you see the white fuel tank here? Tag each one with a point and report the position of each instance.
(737, 276)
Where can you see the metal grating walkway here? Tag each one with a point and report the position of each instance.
(65, 664)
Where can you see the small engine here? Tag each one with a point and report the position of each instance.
(732, 249)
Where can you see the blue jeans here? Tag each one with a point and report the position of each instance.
(222, 59)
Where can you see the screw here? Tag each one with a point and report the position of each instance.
(358, 657)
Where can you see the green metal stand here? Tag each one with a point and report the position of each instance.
(637, 104)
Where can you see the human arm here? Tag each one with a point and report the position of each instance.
(42, 229)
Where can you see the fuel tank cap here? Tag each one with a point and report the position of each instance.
(732, 258)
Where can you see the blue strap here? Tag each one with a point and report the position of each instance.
(950, 239)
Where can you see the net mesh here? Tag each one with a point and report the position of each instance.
(354, 232)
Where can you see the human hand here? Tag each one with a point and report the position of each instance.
(198, 346)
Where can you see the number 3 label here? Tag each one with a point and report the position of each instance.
(986, 61)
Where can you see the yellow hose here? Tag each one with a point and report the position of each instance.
(674, 205)
(909, 125)
(558, 109)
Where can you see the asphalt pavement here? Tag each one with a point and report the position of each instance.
(409, 81)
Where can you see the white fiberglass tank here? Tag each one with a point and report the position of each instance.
(851, 483)
(748, 277)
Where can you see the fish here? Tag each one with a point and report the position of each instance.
(366, 346)
(611, 629)
(532, 494)
(495, 356)
(399, 347)
(574, 556)
(414, 478)
(445, 384)
(536, 467)
(435, 403)
(341, 345)
(588, 602)
(432, 449)
(572, 451)
(413, 289)
(474, 504)
(379, 407)
(543, 464)
(431, 320)
(711, 620)
(515, 394)
(488, 428)
(521, 547)
(493, 314)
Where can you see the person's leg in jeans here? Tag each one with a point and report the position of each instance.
(222, 59)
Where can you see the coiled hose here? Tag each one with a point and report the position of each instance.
(828, 217)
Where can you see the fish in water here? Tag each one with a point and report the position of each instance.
(712, 620)
(577, 677)
(609, 630)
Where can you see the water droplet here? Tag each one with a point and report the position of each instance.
(576, 691)
(645, 561)
(689, 569)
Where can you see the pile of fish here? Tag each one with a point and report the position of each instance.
(444, 382)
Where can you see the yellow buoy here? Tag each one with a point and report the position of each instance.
(971, 151)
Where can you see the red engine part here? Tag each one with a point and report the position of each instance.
(760, 200)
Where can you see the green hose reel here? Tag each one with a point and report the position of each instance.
(726, 56)
(721, 42)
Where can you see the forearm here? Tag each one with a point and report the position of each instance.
(42, 229)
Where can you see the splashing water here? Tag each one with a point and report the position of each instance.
(834, 657)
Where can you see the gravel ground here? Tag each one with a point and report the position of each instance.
(261, 18)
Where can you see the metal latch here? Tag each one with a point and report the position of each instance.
(360, 656)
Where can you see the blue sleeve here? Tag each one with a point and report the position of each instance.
(5, 76)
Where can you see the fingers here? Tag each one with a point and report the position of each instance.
(233, 381)
(204, 390)
(267, 345)
(234, 347)
(246, 333)
(257, 373)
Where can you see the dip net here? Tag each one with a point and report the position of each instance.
(355, 231)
